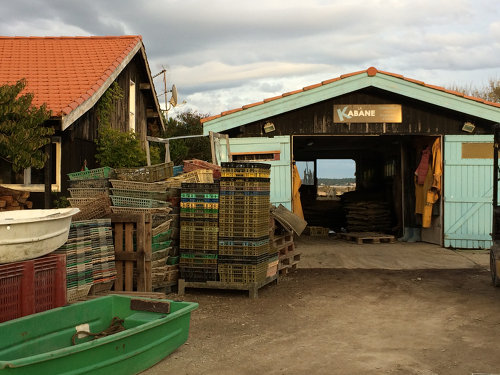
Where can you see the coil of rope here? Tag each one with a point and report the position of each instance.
(115, 326)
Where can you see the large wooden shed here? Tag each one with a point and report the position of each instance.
(386, 123)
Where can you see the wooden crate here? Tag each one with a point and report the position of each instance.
(129, 258)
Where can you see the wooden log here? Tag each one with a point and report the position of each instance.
(7, 198)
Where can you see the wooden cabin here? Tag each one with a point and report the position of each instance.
(385, 122)
(70, 75)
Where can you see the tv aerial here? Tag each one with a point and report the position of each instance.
(173, 101)
(173, 97)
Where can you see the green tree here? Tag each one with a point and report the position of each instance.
(22, 134)
(118, 149)
(187, 123)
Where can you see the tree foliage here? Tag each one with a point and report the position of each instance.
(187, 123)
(490, 92)
(106, 103)
(118, 149)
(22, 134)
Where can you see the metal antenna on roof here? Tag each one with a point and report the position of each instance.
(173, 91)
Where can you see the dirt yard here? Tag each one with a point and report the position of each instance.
(340, 321)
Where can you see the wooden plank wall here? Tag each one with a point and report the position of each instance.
(418, 118)
(78, 140)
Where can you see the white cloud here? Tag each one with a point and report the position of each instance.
(226, 54)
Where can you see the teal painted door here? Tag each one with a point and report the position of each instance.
(468, 192)
(281, 177)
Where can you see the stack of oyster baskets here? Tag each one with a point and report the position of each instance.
(244, 248)
(143, 190)
(199, 231)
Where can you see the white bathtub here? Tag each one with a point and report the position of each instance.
(28, 234)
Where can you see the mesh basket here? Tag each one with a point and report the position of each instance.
(96, 209)
(150, 173)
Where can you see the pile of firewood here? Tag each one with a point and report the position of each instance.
(11, 200)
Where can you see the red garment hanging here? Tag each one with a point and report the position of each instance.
(423, 166)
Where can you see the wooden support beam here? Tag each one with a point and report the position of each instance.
(151, 113)
(144, 86)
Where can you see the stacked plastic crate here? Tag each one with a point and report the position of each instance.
(244, 251)
(79, 267)
(199, 231)
(100, 234)
(89, 191)
(32, 286)
(131, 197)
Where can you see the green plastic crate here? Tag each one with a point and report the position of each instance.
(160, 245)
(173, 260)
(92, 174)
(162, 237)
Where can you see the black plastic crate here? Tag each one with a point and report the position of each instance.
(234, 165)
(198, 274)
(243, 259)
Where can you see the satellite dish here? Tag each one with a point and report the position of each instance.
(173, 99)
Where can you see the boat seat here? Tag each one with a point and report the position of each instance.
(139, 318)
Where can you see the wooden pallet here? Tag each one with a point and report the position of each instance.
(252, 288)
(278, 242)
(367, 237)
(287, 270)
(128, 256)
(288, 262)
(285, 249)
(318, 231)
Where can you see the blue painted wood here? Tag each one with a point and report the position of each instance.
(281, 177)
(468, 195)
(347, 85)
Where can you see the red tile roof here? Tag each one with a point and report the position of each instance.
(62, 72)
(371, 72)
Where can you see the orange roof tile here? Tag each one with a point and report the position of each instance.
(371, 72)
(62, 72)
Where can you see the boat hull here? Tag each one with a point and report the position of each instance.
(148, 338)
(29, 234)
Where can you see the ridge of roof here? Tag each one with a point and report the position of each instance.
(371, 72)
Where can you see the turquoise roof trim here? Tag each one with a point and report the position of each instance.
(387, 82)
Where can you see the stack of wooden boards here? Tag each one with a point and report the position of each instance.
(366, 213)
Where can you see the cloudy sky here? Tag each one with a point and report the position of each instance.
(225, 54)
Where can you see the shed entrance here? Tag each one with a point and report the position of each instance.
(385, 195)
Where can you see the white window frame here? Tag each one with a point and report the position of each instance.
(131, 106)
(40, 188)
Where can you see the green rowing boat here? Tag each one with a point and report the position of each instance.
(109, 335)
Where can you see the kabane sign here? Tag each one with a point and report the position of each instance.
(367, 113)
